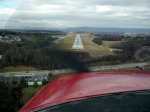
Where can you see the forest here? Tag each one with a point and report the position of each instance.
(10, 96)
(39, 54)
(97, 41)
(122, 37)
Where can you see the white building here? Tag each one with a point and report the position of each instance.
(22, 74)
(53, 36)
(16, 38)
(30, 78)
(5, 37)
(6, 40)
(31, 83)
(10, 40)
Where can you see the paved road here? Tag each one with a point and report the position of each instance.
(118, 66)
(97, 68)
(77, 43)
(60, 38)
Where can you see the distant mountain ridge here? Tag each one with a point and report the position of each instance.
(93, 29)
(109, 30)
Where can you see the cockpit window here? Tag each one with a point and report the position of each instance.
(120, 102)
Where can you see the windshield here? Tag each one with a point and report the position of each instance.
(121, 102)
(41, 40)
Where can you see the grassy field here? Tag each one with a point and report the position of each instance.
(18, 68)
(108, 43)
(66, 43)
(60, 75)
(29, 92)
(93, 49)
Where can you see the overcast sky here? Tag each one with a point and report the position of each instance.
(74, 13)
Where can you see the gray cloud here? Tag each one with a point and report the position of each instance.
(69, 13)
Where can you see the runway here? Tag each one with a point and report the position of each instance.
(77, 43)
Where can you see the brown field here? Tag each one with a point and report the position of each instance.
(108, 43)
(32, 39)
(18, 69)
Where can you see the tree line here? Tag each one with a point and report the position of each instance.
(10, 97)
(121, 37)
(110, 37)
(97, 41)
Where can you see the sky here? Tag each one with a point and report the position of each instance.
(22, 14)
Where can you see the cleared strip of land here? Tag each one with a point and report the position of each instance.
(77, 43)
(89, 46)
